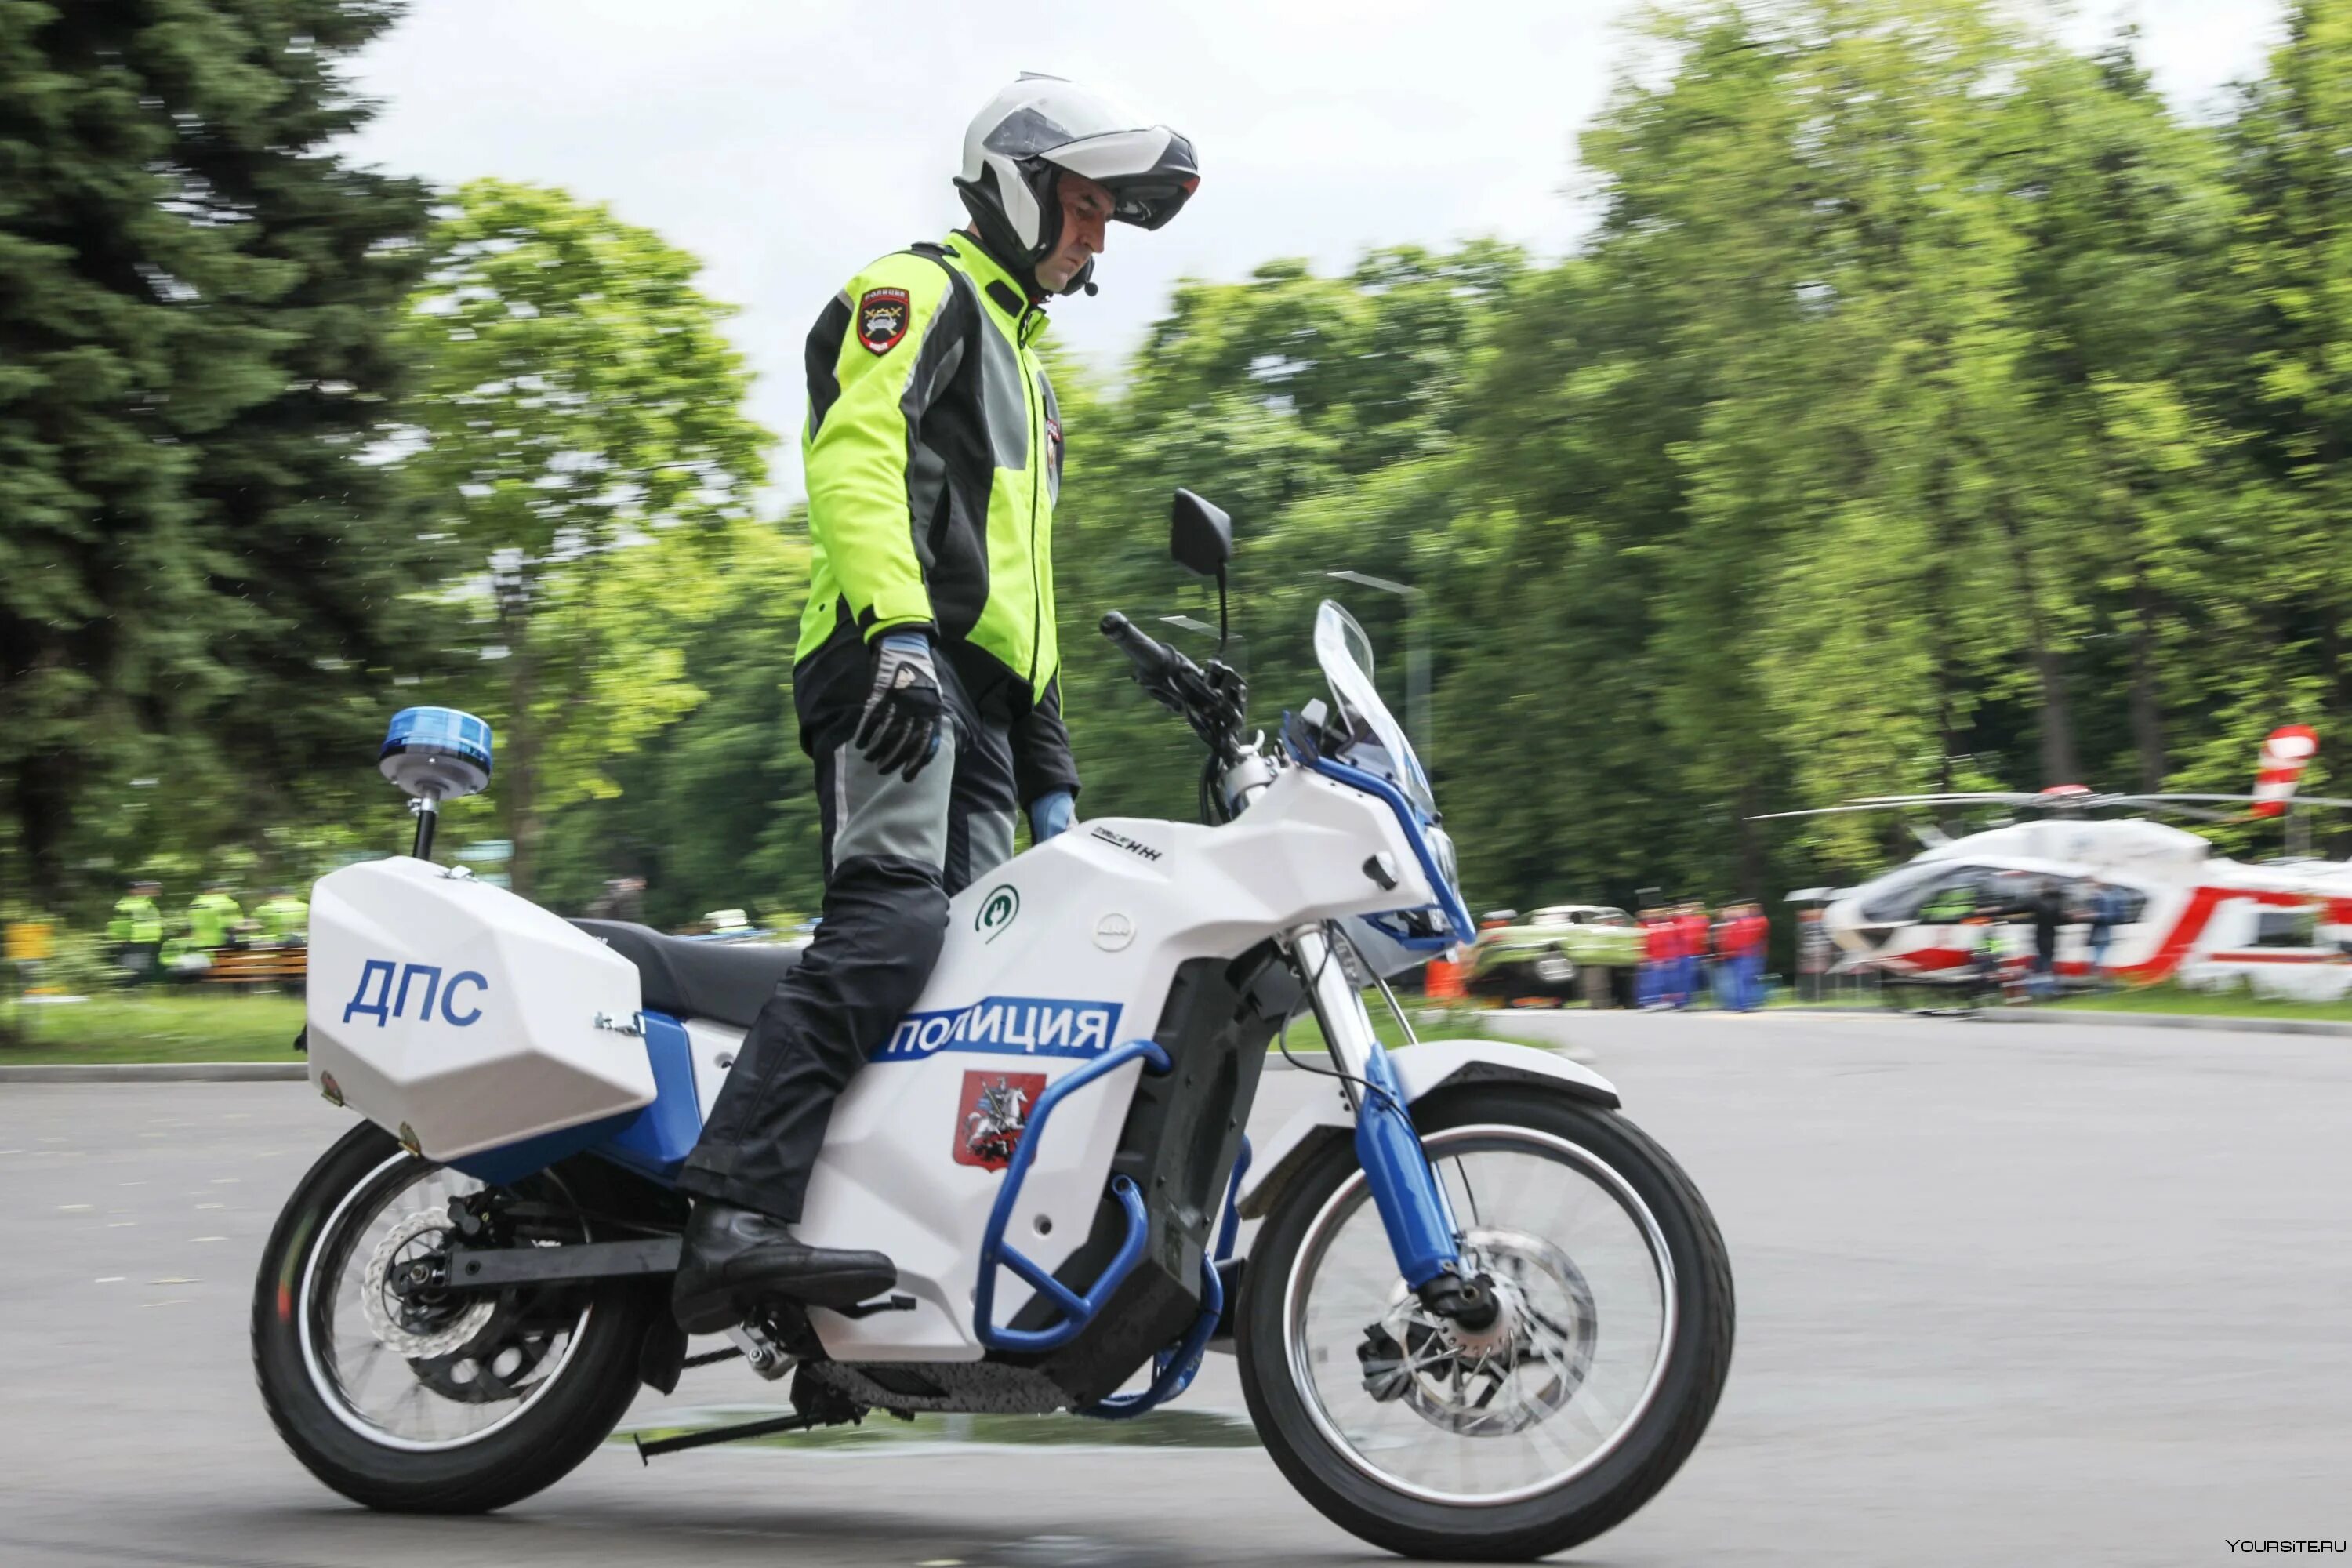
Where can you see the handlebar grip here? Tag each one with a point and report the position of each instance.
(1152, 657)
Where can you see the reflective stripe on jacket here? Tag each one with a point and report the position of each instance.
(933, 459)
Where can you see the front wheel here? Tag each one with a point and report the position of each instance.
(424, 1401)
(1552, 1427)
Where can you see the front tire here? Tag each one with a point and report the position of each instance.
(465, 1408)
(1427, 1469)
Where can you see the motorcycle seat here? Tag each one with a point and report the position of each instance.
(728, 981)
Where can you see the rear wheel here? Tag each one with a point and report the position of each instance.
(1552, 1427)
(420, 1402)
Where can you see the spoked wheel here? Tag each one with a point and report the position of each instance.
(406, 1397)
(1552, 1425)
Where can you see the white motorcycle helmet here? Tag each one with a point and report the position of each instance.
(1016, 150)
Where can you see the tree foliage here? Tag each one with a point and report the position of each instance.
(581, 429)
(1931, 406)
(197, 574)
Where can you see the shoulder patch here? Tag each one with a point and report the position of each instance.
(882, 317)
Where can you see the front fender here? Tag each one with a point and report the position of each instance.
(1421, 1069)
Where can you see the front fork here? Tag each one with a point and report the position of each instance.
(1406, 1191)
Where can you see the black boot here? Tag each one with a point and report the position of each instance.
(734, 1257)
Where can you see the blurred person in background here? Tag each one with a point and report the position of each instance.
(2106, 912)
(284, 918)
(213, 918)
(1691, 928)
(1720, 974)
(137, 931)
(1649, 979)
(1742, 940)
(2048, 913)
(1815, 950)
(927, 679)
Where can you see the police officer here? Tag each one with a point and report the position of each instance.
(211, 917)
(285, 919)
(926, 680)
(137, 930)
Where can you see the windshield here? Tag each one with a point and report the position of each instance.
(1377, 742)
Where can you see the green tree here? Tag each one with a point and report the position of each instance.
(581, 440)
(197, 561)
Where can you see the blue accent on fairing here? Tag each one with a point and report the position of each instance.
(653, 1140)
(1077, 1311)
(1174, 1368)
(1004, 1026)
(1450, 901)
(658, 1138)
(1406, 939)
(512, 1161)
(1406, 1192)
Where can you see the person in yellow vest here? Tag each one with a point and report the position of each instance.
(137, 931)
(284, 918)
(210, 918)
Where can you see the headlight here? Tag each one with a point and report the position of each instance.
(1441, 846)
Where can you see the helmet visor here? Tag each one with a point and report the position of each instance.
(1150, 174)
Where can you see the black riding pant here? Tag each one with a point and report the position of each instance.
(895, 853)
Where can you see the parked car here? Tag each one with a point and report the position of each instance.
(1543, 954)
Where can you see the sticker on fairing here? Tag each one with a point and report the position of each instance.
(994, 1112)
(1005, 1027)
(882, 317)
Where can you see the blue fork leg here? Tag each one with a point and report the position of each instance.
(1405, 1190)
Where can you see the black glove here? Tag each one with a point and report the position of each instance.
(899, 731)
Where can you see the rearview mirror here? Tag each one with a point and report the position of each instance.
(1200, 536)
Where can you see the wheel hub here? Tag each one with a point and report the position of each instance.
(1519, 1369)
(405, 1313)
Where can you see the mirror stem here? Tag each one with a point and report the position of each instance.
(1224, 627)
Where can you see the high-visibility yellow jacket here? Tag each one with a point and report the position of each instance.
(933, 459)
(209, 918)
(136, 918)
(283, 917)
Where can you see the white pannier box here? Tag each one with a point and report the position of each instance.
(455, 1013)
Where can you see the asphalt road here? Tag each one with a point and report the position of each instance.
(2007, 1296)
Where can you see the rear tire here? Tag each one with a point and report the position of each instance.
(552, 1428)
(1651, 1445)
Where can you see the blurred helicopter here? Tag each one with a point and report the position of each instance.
(2285, 926)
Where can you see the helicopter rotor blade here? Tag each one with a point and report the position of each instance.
(2200, 814)
(2298, 800)
(1818, 810)
(1957, 797)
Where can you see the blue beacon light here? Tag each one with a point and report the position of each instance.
(435, 754)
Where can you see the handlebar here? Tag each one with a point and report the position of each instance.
(1214, 701)
(1153, 659)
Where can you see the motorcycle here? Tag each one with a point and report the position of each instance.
(1484, 1315)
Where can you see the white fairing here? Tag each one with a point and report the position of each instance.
(464, 1013)
(1105, 913)
(1050, 961)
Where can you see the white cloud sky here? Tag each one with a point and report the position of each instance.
(787, 143)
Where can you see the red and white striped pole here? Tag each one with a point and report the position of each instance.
(2286, 751)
